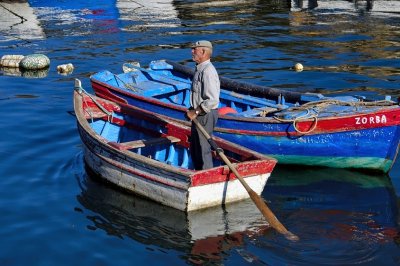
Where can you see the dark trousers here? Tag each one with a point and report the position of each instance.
(200, 149)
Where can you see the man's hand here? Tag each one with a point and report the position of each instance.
(191, 114)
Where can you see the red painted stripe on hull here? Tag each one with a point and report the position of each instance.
(323, 125)
(140, 173)
(223, 174)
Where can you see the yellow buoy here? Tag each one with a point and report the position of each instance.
(298, 67)
(65, 68)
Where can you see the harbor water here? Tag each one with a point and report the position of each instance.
(54, 212)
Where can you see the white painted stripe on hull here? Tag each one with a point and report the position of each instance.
(167, 195)
(189, 199)
(220, 193)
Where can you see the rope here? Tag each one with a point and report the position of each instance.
(338, 102)
(128, 86)
(15, 14)
(301, 118)
(308, 131)
(81, 90)
(87, 110)
(317, 105)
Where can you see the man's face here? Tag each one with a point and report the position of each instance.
(198, 54)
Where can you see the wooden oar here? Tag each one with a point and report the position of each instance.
(258, 201)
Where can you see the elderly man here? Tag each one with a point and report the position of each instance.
(204, 101)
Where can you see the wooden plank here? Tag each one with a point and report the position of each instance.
(144, 142)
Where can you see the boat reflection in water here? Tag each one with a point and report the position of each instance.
(144, 14)
(202, 236)
(18, 21)
(343, 216)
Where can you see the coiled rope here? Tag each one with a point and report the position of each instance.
(317, 105)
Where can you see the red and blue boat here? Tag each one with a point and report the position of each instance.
(295, 128)
(149, 156)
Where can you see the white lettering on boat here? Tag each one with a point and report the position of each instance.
(378, 119)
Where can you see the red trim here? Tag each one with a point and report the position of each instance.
(388, 117)
(206, 177)
(223, 174)
(382, 118)
(105, 90)
(108, 105)
(138, 173)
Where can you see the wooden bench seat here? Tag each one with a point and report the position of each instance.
(144, 142)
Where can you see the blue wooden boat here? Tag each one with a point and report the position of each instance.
(149, 156)
(295, 128)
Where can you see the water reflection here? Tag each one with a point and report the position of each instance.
(333, 38)
(357, 44)
(345, 217)
(363, 5)
(341, 216)
(18, 19)
(148, 14)
(202, 236)
(17, 72)
(274, 31)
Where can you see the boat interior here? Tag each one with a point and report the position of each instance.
(171, 88)
(152, 140)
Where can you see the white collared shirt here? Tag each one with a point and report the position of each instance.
(205, 87)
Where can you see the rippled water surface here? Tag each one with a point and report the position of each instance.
(55, 213)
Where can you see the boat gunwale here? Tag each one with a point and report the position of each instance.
(189, 174)
(303, 123)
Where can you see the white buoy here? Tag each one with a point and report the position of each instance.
(298, 67)
(35, 61)
(12, 60)
(65, 68)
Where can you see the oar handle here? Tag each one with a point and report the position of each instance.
(258, 201)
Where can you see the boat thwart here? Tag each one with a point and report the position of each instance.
(149, 156)
(342, 131)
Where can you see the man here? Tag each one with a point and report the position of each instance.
(204, 101)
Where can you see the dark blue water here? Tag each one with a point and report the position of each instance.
(54, 213)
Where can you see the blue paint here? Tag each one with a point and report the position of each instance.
(344, 149)
(54, 214)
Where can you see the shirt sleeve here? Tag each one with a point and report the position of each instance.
(211, 89)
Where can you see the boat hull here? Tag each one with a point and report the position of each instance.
(177, 187)
(361, 137)
(356, 141)
(150, 184)
(374, 148)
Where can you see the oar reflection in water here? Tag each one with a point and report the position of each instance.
(345, 216)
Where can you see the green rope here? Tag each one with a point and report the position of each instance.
(81, 91)
(128, 86)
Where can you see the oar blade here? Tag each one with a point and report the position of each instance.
(270, 217)
(258, 201)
